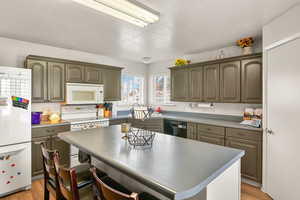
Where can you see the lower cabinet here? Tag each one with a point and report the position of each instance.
(117, 121)
(251, 165)
(211, 139)
(156, 125)
(48, 136)
(36, 154)
(247, 140)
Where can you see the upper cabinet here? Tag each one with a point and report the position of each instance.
(196, 84)
(211, 83)
(49, 76)
(112, 84)
(56, 82)
(75, 73)
(93, 75)
(230, 82)
(179, 84)
(39, 80)
(252, 80)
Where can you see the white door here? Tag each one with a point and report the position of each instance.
(283, 118)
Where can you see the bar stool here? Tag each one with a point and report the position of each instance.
(70, 183)
(51, 181)
(108, 189)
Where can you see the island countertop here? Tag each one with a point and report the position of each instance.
(176, 167)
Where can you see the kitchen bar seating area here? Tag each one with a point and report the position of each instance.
(149, 100)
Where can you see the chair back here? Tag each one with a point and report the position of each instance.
(108, 193)
(67, 179)
(48, 165)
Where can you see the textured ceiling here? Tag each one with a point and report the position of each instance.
(186, 26)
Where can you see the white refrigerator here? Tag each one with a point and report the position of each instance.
(15, 129)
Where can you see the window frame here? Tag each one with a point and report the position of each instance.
(121, 103)
(153, 92)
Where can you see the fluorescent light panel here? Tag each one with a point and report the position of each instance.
(124, 10)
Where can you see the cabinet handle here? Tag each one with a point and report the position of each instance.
(270, 131)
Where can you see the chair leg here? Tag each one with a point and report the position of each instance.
(46, 194)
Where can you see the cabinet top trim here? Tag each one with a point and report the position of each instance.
(236, 58)
(65, 61)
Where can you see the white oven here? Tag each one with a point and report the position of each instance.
(79, 93)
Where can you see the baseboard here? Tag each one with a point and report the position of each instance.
(250, 182)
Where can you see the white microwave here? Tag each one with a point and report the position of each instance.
(79, 93)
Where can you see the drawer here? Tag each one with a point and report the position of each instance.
(117, 121)
(202, 128)
(48, 131)
(211, 140)
(244, 134)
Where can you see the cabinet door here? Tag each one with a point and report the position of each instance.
(252, 161)
(39, 80)
(112, 85)
(230, 81)
(179, 84)
(93, 75)
(56, 82)
(63, 148)
(36, 153)
(196, 84)
(75, 73)
(210, 139)
(211, 83)
(192, 131)
(252, 80)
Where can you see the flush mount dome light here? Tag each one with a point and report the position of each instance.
(128, 10)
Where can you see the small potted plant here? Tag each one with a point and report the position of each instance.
(180, 62)
(246, 45)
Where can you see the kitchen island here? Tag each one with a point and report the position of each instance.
(175, 167)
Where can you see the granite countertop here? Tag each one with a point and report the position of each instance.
(49, 124)
(177, 168)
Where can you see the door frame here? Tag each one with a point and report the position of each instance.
(266, 51)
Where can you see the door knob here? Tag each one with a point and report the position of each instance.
(270, 131)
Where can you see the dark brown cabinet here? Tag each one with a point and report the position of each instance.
(36, 154)
(75, 73)
(48, 136)
(230, 81)
(247, 140)
(56, 82)
(153, 124)
(196, 84)
(39, 80)
(252, 80)
(179, 84)
(49, 76)
(112, 85)
(211, 83)
(93, 75)
(251, 164)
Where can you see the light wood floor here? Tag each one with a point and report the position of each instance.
(36, 193)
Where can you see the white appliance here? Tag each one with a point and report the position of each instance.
(15, 129)
(81, 117)
(78, 93)
(84, 124)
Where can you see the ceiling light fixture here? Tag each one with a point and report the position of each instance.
(127, 10)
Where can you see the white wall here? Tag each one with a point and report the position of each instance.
(219, 108)
(14, 52)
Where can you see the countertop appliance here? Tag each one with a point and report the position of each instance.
(79, 93)
(175, 128)
(15, 129)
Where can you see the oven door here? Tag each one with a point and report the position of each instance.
(84, 93)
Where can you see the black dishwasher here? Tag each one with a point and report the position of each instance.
(175, 128)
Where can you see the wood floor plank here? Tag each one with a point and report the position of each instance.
(248, 192)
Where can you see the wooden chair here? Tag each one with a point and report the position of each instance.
(73, 184)
(50, 175)
(108, 189)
